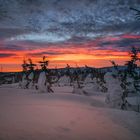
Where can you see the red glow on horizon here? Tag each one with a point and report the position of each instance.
(88, 53)
(128, 36)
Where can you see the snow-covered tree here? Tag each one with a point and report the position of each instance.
(44, 81)
(133, 71)
(31, 74)
(129, 78)
(23, 80)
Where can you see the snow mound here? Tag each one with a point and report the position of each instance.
(27, 115)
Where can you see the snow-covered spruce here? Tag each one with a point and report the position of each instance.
(115, 92)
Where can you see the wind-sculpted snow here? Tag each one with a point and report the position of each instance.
(25, 114)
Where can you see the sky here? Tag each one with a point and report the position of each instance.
(74, 32)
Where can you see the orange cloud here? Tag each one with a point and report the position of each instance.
(81, 54)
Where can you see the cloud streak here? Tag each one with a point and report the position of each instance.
(5, 55)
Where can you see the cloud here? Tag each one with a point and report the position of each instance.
(7, 32)
(4, 55)
(41, 37)
(12, 47)
(60, 20)
(53, 53)
(65, 29)
(124, 44)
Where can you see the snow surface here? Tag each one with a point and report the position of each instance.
(29, 115)
(134, 100)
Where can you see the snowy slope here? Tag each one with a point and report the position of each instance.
(26, 114)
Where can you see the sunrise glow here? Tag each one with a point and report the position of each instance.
(95, 53)
(70, 32)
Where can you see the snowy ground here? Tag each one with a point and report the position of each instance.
(28, 115)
